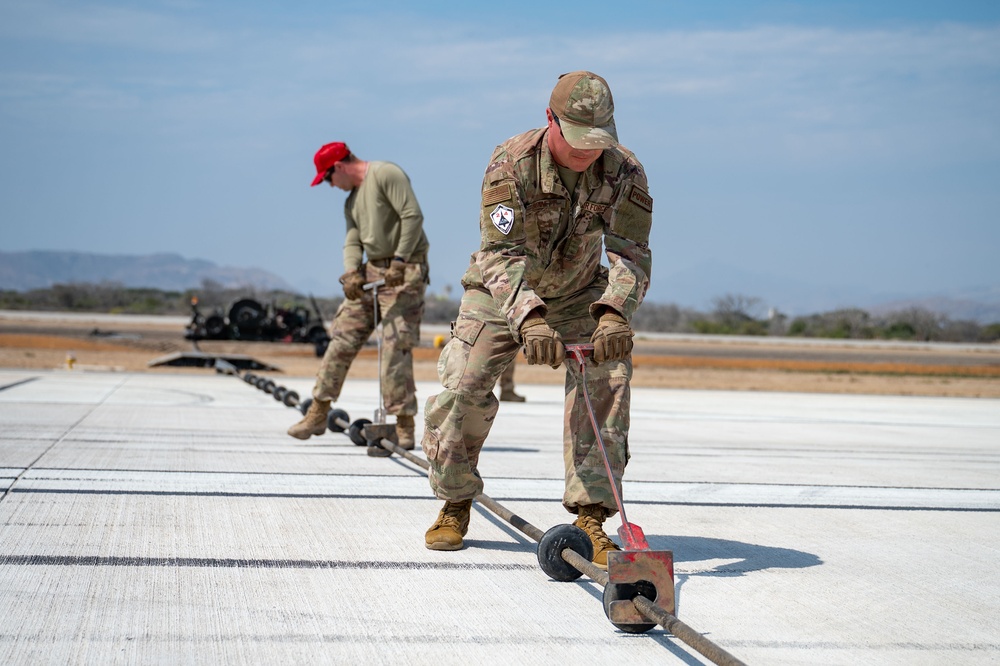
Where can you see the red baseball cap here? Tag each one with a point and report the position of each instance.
(326, 157)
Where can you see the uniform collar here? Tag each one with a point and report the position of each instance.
(549, 171)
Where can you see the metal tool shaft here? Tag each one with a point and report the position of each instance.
(373, 287)
(580, 353)
(647, 607)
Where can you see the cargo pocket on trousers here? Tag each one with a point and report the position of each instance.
(455, 356)
(431, 443)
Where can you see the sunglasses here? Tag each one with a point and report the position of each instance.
(329, 174)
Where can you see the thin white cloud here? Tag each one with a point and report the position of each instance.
(776, 80)
(210, 102)
(105, 26)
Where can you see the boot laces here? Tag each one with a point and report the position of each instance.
(453, 513)
(595, 530)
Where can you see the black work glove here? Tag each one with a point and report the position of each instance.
(396, 274)
(613, 337)
(542, 344)
(353, 283)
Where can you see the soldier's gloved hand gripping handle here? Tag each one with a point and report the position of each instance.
(353, 283)
(613, 337)
(542, 344)
(395, 276)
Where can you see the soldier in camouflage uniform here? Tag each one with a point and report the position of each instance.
(384, 224)
(551, 198)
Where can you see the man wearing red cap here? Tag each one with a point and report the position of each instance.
(385, 239)
(552, 199)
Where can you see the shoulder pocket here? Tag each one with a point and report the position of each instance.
(634, 216)
(501, 222)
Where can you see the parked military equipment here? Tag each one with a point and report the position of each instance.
(250, 320)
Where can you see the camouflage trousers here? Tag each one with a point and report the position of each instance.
(507, 378)
(400, 311)
(458, 420)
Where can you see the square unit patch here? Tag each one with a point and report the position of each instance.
(503, 218)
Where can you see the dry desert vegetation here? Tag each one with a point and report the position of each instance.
(130, 344)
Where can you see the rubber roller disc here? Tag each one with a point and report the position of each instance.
(279, 393)
(356, 434)
(629, 591)
(291, 399)
(554, 542)
(333, 417)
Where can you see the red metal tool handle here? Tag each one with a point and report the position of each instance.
(631, 534)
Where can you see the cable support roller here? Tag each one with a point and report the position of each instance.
(645, 606)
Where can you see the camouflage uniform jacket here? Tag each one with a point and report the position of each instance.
(538, 244)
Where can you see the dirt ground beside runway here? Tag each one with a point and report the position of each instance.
(48, 343)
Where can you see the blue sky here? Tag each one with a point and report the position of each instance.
(835, 147)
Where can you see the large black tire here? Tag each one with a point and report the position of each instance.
(215, 327)
(247, 317)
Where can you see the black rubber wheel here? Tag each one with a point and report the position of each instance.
(249, 378)
(278, 393)
(291, 399)
(260, 382)
(317, 335)
(629, 591)
(215, 327)
(333, 416)
(554, 542)
(355, 432)
(304, 405)
(247, 316)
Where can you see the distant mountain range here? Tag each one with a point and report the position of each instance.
(21, 271)
(694, 287)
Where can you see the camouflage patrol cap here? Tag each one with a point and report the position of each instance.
(582, 101)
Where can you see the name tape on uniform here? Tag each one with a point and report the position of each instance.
(641, 199)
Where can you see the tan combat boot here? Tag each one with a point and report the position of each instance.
(313, 423)
(404, 431)
(451, 525)
(508, 395)
(591, 520)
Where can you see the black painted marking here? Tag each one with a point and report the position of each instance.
(350, 450)
(768, 505)
(755, 505)
(216, 493)
(881, 647)
(23, 381)
(241, 563)
(510, 449)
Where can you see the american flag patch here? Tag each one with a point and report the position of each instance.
(497, 194)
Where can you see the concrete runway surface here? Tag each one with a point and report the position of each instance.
(167, 519)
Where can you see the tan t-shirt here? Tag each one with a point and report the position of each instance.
(383, 218)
